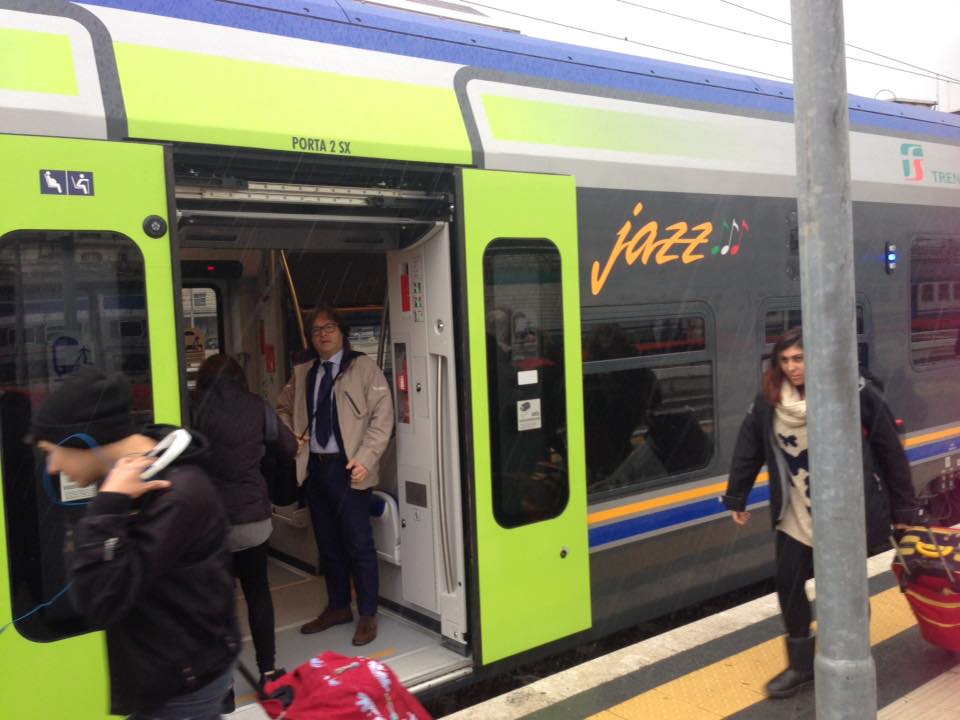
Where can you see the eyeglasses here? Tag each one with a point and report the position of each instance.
(323, 329)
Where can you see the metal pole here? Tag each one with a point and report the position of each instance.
(845, 672)
(293, 297)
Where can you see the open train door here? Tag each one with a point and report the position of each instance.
(86, 279)
(523, 307)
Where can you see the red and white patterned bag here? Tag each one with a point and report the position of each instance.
(336, 687)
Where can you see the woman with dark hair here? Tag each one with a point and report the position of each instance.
(234, 421)
(774, 433)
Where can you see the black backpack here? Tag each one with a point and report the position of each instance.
(279, 471)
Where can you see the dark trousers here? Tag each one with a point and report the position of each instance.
(794, 568)
(250, 566)
(341, 524)
(201, 704)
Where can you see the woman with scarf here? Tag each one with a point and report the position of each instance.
(774, 433)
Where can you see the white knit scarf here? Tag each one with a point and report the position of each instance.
(790, 428)
(792, 408)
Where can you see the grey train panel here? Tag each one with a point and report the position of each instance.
(641, 579)
(729, 285)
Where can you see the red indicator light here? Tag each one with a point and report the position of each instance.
(211, 268)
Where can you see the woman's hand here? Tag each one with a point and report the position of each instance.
(740, 517)
(124, 477)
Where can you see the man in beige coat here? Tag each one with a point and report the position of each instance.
(340, 408)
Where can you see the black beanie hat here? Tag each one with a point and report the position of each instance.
(87, 402)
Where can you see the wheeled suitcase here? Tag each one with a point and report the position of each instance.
(927, 566)
(331, 686)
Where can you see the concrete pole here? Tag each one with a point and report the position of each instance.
(845, 672)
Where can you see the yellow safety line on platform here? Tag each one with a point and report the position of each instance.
(735, 683)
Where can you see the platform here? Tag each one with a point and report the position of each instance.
(717, 667)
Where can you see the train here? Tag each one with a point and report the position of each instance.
(571, 264)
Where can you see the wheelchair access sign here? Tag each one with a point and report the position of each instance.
(66, 182)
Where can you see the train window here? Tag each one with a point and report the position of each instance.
(367, 323)
(934, 310)
(61, 294)
(523, 306)
(202, 323)
(648, 404)
(793, 247)
(780, 319)
(645, 336)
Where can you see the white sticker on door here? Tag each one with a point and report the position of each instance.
(528, 414)
(527, 377)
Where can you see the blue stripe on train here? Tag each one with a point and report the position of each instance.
(666, 518)
(701, 509)
(929, 450)
(393, 31)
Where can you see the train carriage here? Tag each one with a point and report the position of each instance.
(571, 265)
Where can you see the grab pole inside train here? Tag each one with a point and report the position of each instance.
(845, 674)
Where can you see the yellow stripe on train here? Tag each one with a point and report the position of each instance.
(932, 436)
(614, 513)
(659, 502)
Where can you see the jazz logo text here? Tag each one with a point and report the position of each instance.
(679, 242)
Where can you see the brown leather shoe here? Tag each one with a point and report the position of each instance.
(327, 619)
(366, 630)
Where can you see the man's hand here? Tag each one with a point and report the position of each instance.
(124, 478)
(740, 517)
(358, 473)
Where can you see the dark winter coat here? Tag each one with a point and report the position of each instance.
(154, 573)
(888, 488)
(233, 421)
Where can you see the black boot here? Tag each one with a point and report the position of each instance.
(271, 675)
(800, 672)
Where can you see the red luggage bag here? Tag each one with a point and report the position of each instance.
(335, 687)
(927, 567)
(936, 607)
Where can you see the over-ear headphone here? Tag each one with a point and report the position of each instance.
(166, 451)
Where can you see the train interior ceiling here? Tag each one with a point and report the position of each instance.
(258, 251)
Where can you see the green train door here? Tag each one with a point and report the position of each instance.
(523, 306)
(85, 279)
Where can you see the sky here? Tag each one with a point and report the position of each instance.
(890, 53)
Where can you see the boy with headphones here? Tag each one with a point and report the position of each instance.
(148, 562)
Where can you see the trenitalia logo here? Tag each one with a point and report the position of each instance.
(914, 169)
(912, 161)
